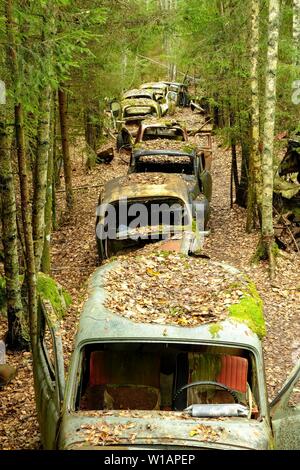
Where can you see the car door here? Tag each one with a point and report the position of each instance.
(48, 374)
(285, 413)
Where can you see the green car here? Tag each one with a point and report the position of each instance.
(135, 385)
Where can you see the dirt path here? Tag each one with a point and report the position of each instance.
(75, 258)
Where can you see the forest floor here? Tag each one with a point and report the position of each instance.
(74, 258)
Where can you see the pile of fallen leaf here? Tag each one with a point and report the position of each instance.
(162, 144)
(144, 178)
(170, 288)
(165, 159)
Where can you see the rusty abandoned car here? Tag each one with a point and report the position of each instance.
(136, 385)
(139, 209)
(127, 116)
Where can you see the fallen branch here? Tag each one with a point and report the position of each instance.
(78, 188)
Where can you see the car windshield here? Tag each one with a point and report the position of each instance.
(168, 377)
(178, 164)
(172, 133)
(139, 111)
(148, 215)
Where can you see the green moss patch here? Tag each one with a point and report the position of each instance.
(214, 329)
(50, 290)
(250, 310)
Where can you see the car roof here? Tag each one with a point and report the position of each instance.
(153, 85)
(133, 186)
(97, 323)
(136, 92)
(162, 123)
(138, 102)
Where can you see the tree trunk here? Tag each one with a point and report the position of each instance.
(46, 257)
(62, 99)
(40, 175)
(234, 167)
(241, 195)
(269, 126)
(296, 31)
(23, 178)
(255, 184)
(18, 334)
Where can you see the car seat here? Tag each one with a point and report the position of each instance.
(230, 371)
(124, 380)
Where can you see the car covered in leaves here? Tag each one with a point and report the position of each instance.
(138, 209)
(127, 116)
(160, 89)
(160, 92)
(162, 146)
(156, 368)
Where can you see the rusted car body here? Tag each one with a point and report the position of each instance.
(181, 89)
(128, 385)
(127, 194)
(174, 133)
(178, 157)
(160, 91)
(128, 115)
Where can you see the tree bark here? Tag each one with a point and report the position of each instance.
(46, 257)
(18, 334)
(40, 175)
(296, 31)
(254, 199)
(23, 178)
(234, 167)
(267, 230)
(62, 99)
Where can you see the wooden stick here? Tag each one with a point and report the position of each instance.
(78, 188)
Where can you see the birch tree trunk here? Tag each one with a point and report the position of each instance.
(267, 229)
(255, 184)
(23, 178)
(62, 99)
(40, 175)
(18, 334)
(296, 30)
(46, 258)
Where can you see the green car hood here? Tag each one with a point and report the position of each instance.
(158, 429)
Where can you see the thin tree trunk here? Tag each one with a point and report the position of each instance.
(269, 126)
(62, 98)
(46, 257)
(296, 31)
(254, 201)
(234, 167)
(40, 175)
(54, 160)
(23, 178)
(18, 334)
